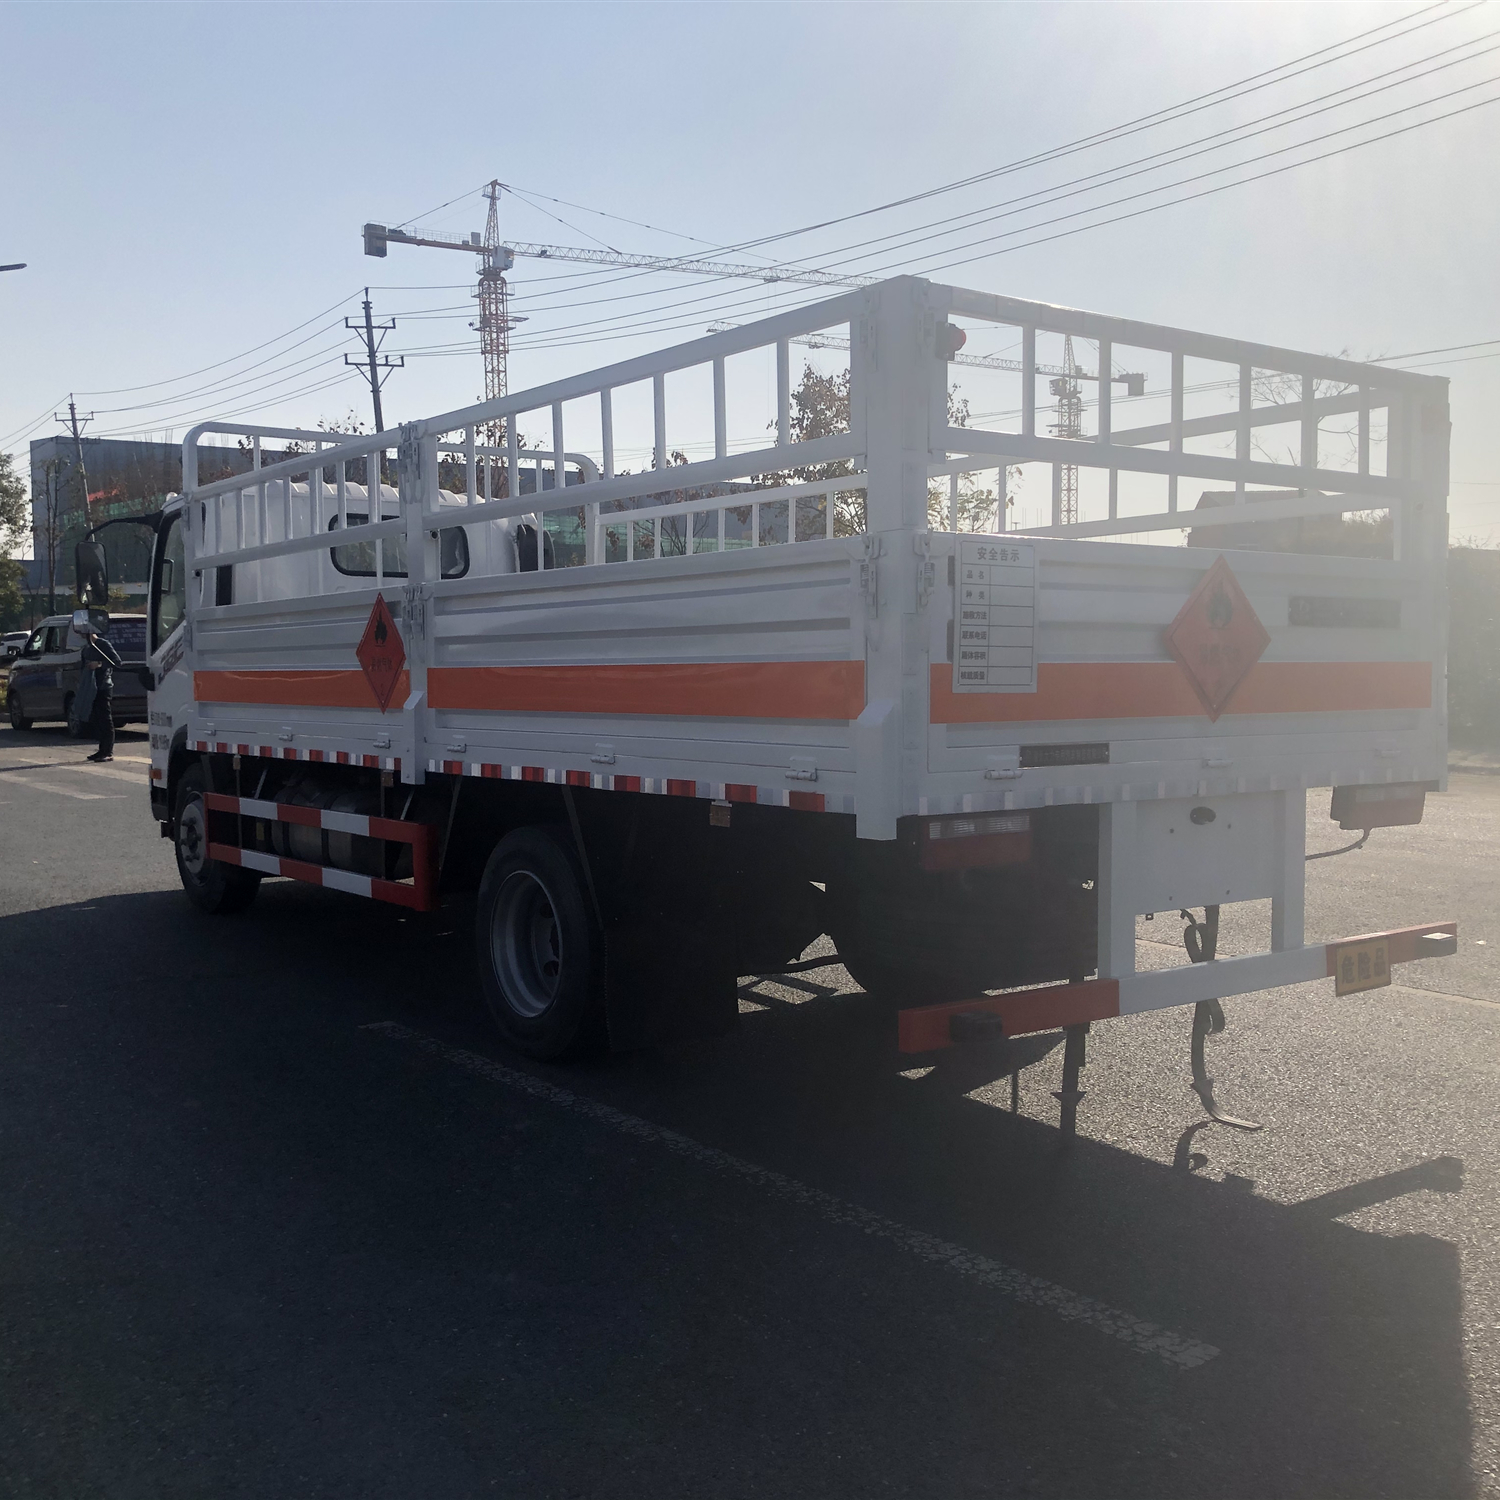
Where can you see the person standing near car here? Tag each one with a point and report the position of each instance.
(99, 659)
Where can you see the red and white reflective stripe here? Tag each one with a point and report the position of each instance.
(661, 786)
(339, 880)
(420, 895)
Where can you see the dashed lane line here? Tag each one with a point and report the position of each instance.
(62, 791)
(133, 777)
(1146, 1338)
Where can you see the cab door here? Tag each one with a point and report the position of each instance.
(45, 700)
(27, 674)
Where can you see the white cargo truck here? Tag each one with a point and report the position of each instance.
(672, 735)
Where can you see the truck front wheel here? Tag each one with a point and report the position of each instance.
(212, 886)
(539, 949)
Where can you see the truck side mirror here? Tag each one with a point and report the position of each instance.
(90, 573)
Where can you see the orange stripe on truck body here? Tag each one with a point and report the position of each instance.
(1160, 690)
(728, 690)
(308, 687)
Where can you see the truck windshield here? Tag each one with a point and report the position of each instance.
(169, 583)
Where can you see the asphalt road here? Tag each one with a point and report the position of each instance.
(282, 1219)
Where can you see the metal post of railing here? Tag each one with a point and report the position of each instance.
(659, 418)
(721, 420)
(1242, 428)
(607, 430)
(1364, 429)
(1176, 444)
(783, 394)
(1106, 390)
(1307, 447)
(1028, 382)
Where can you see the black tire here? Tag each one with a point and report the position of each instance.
(18, 720)
(76, 730)
(539, 949)
(211, 886)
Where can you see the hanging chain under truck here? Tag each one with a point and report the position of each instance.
(672, 730)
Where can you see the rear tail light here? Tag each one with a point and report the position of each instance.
(972, 840)
(978, 825)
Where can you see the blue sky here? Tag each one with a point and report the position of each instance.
(187, 182)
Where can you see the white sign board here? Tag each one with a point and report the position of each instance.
(994, 621)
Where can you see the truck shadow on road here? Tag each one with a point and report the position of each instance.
(259, 1239)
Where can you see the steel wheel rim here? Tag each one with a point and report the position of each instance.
(526, 944)
(192, 837)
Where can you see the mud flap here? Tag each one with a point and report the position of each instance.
(666, 981)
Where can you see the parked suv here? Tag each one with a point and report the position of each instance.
(44, 677)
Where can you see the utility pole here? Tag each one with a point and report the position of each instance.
(75, 424)
(51, 528)
(373, 358)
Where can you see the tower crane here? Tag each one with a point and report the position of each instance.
(495, 320)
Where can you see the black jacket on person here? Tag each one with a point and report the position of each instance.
(100, 657)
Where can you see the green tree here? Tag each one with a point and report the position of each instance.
(15, 525)
(820, 408)
(15, 520)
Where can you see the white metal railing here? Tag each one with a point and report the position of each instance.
(792, 496)
(489, 475)
(488, 469)
(1320, 490)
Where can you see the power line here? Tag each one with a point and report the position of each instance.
(126, 390)
(1186, 151)
(655, 318)
(1196, 104)
(1446, 349)
(1208, 192)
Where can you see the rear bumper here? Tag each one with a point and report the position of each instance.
(926, 1029)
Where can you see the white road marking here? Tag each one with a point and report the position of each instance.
(1144, 1337)
(133, 777)
(63, 791)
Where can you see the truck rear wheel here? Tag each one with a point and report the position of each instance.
(212, 886)
(539, 949)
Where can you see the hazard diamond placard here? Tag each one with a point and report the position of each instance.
(1217, 637)
(381, 652)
